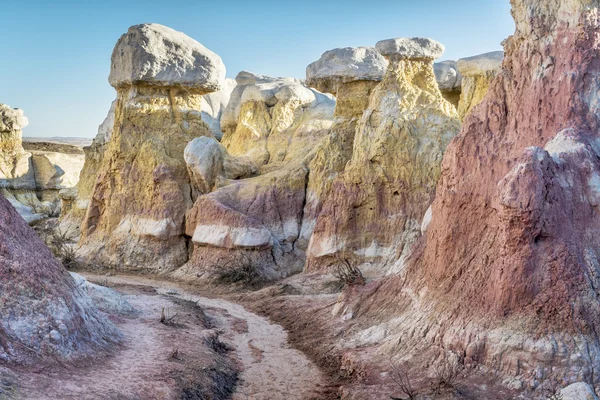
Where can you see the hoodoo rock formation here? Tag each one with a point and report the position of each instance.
(478, 72)
(135, 218)
(350, 74)
(271, 127)
(43, 313)
(507, 275)
(31, 180)
(375, 207)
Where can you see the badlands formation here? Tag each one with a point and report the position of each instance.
(460, 196)
(31, 180)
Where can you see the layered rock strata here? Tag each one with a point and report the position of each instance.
(44, 315)
(478, 73)
(375, 207)
(271, 127)
(31, 180)
(507, 275)
(143, 190)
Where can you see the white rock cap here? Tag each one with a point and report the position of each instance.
(411, 48)
(481, 63)
(12, 119)
(157, 55)
(447, 75)
(349, 63)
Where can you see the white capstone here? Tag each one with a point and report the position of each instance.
(349, 63)
(157, 55)
(481, 63)
(411, 48)
(447, 75)
(12, 119)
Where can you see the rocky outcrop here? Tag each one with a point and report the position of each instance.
(507, 275)
(213, 105)
(375, 207)
(478, 73)
(43, 314)
(271, 127)
(345, 65)
(30, 180)
(352, 78)
(142, 190)
(449, 80)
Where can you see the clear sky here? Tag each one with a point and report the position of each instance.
(56, 53)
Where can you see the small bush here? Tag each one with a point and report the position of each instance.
(239, 271)
(347, 273)
(445, 375)
(400, 377)
(61, 243)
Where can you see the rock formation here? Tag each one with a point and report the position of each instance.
(43, 314)
(213, 105)
(478, 73)
(507, 275)
(271, 127)
(449, 80)
(374, 210)
(142, 190)
(30, 180)
(344, 65)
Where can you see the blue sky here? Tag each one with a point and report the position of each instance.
(56, 54)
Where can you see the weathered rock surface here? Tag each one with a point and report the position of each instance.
(478, 73)
(213, 105)
(210, 166)
(507, 274)
(374, 210)
(578, 391)
(411, 48)
(43, 314)
(156, 55)
(449, 80)
(344, 65)
(30, 180)
(271, 127)
(142, 190)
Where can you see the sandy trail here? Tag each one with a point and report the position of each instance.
(271, 370)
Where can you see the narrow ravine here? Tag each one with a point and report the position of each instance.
(270, 368)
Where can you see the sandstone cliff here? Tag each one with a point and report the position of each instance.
(43, 314)
(374, 210)
(143, 190)
(507, 274)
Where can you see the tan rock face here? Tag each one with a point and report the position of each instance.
(142, 190)
(271, 128)
(478, 74)
(507, 274)
(375, 207)
(136, 213)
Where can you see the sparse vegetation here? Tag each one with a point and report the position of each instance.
(239, 271)
(347, 273)
(445, 375)
(61, 243)
(399, 375)
(167, 319)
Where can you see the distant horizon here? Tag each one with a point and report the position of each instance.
(60, 53)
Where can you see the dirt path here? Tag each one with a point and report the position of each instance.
(270, 369)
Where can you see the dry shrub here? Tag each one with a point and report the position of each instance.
(61, 243)
(399, 375)
(347, 273)
(445, 375)
(240, 270)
